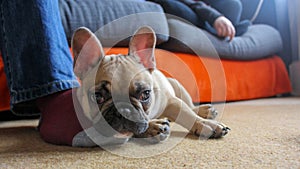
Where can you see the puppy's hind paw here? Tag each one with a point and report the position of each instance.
(206, 111)
(159, 130)
(209, 129)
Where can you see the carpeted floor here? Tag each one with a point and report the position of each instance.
(265, 133)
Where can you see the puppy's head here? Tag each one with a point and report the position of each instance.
(116, 89)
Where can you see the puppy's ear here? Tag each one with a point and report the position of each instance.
(142, 45)
(87, 51)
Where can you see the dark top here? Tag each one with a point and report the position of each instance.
(204, 11)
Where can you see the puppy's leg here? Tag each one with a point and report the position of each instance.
(206, 111)
(181, 113)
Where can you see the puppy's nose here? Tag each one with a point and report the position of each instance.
(135, 120)
(128, 111)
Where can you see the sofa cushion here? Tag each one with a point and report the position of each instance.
(258, 42)
(208, 79)
(218, 80)
(114, 20)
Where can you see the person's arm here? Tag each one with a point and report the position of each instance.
(222, 25)
(204, 12)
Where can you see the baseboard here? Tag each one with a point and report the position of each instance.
(8, 116)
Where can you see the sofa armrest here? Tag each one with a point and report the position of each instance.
(275, 14)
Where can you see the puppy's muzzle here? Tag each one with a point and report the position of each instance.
(134, 119)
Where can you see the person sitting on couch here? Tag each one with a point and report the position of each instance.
(220, 17)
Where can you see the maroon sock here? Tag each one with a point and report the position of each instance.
(59, 122)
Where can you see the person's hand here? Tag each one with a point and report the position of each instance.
(224, 27)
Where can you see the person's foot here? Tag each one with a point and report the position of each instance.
(59, 122)
(242, 27)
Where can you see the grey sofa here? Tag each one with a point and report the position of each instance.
(114, 21)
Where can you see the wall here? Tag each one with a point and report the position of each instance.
(294, 18)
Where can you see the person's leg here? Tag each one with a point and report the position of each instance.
(231, 9)
(179, 9)
(206, 14)
(38, 64)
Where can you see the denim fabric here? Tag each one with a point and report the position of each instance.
(35, 51)
(231, 9)
(177, 8)
(203, 16)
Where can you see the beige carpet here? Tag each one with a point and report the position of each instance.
(265, 134)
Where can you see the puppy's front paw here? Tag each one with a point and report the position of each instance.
(207, 111)
(158, 130)
(209, 129)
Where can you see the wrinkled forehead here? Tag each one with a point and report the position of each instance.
(119, 69)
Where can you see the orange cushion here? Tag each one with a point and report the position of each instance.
(214, 80)
(4, 94)
(209, 79)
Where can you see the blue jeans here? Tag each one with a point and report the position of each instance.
(231, 9)
(35, 52)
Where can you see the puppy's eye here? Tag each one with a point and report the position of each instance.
(145, 96)
(97, 97)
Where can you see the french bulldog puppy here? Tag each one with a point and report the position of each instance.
(126, 96)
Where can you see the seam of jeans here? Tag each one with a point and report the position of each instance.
(58, 82)
(36, 92)
(7, 63)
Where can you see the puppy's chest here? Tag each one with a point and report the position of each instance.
(163, 91)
